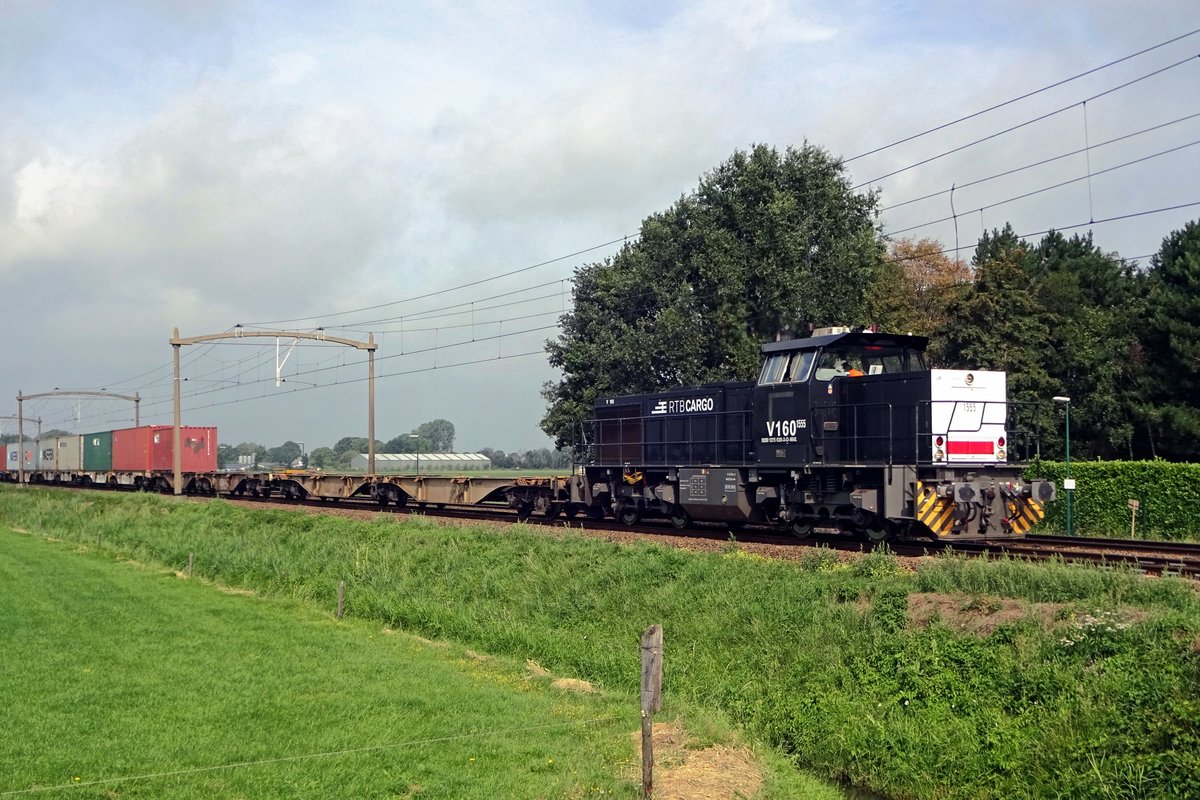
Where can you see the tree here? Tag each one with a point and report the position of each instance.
(285, 454)
(915, 286)
(766, 243)
(1092, 307)
(439, 433)
(997, 324)
(226, 456)
(346, 448)
(322, 457)
(1172, 345)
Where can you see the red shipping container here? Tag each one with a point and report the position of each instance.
(148, 449)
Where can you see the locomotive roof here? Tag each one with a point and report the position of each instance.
(851, 339)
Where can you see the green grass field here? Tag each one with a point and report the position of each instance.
(112, 670)
(1085, 683)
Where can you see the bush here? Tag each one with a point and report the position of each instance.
(1169, 494)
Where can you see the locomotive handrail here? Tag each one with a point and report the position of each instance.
(859, 433)
(603, 441)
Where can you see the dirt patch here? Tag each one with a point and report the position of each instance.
(977, 614)
(574, 685)
(711, 773)
(536, 670)
(235, 590)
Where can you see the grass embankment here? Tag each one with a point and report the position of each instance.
(1078, 682)
(121, 680)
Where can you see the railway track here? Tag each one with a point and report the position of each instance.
(1150, 557)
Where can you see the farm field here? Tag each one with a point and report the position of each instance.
(961, 678)
(112, 671)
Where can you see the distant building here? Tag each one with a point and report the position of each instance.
(423, 462)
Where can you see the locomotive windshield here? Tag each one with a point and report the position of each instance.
(787, 367)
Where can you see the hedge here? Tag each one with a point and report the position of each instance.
(1169, 494)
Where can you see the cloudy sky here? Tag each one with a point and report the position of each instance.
(445, 167)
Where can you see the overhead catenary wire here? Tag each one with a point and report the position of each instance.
(1088, 177)
(1024, 124)
(541, 351)
(405, 320)
(1042, 162)
(1019, 98)
(447, 290)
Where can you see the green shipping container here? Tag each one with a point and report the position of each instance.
(97, 452)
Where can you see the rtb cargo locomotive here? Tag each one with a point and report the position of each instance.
(845, 431)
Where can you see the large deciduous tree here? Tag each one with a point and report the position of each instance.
(1173, 345)
(767, 242)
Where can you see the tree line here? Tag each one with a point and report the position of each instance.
(770, 243)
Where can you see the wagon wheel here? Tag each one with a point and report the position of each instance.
(552, 510)
(801, 528)
(571, 510)
(680, 519)
(629, 515)
(524, 510)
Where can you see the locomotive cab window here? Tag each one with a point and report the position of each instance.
(787, 368)
(854, 362)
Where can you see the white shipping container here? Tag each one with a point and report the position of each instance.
(70, 453)
(47, 454)
(29, 448)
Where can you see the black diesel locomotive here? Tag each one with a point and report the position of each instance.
(844, 431)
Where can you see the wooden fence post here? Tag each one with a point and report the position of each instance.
(341, 599)
(652, 657)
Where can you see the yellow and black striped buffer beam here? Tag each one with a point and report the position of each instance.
(934, 512)
(1024, 513)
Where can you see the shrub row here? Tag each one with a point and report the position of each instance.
(1169, 495)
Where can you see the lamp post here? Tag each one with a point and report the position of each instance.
(417, 453)
(1068, 483)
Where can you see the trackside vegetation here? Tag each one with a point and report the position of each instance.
(1168, 494)
(963, 679)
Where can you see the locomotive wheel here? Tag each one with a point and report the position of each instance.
(629, 515)
(680, 518)
(595, 512)
(801, 528)
(879, 531)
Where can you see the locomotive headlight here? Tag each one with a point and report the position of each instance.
(999, 453)
(938, 455)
